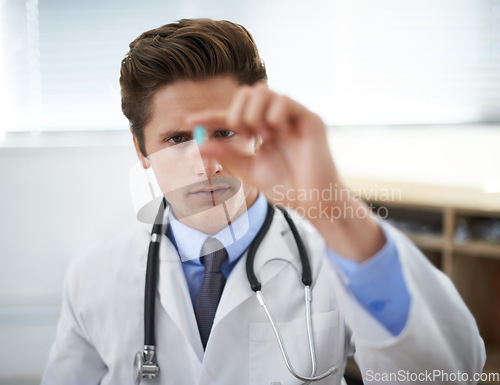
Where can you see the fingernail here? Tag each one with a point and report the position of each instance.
(199, 134)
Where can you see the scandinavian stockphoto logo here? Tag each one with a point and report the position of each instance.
(332, 202)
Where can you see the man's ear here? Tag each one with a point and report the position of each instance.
(144, 160)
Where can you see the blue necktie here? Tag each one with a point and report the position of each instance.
(211, 288)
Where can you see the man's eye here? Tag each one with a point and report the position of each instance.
(224, 133)
(177, 139)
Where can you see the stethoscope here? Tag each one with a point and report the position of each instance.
(145, 362)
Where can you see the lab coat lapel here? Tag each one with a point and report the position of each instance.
(174, 295)
(237, 288)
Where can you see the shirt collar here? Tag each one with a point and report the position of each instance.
(244, 229)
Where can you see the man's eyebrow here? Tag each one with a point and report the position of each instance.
(171, 133)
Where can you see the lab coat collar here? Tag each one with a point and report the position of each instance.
(174, 295)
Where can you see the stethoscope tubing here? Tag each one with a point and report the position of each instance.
(254, 282)
(306, 277)
(152, 277)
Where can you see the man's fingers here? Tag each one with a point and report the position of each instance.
(283, 113)
(237, 108)
(255, 111)
(254, 115)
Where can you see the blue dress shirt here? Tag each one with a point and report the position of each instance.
(378, 284)
(189, 241)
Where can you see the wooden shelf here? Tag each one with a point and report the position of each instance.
(492, 365)
(427, 242)
(479, 248)
(429, 196)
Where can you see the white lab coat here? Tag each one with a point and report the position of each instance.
(101, 324)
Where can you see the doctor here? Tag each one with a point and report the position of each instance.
(374, 294)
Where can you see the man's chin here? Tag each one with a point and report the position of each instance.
(210, 220)
(209, 212)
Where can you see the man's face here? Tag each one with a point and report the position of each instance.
(202, 194)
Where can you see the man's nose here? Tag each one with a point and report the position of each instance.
(207, 166)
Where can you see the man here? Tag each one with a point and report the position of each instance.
(373, 292)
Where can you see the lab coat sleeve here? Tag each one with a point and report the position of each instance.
(378, 284)
(73, 359)
(440, 338)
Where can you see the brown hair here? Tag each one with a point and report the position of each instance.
(191, 49)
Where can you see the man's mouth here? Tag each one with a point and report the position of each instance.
(202, 195)
(213, 194)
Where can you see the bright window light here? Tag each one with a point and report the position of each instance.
(355, 62)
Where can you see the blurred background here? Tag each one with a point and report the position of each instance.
(410, 91)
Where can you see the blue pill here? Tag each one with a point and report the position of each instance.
(199, 134)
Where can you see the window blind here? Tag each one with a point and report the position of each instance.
(355, 62)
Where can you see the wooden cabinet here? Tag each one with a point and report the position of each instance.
(458, 229)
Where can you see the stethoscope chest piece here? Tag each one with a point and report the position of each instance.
(145, 365)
